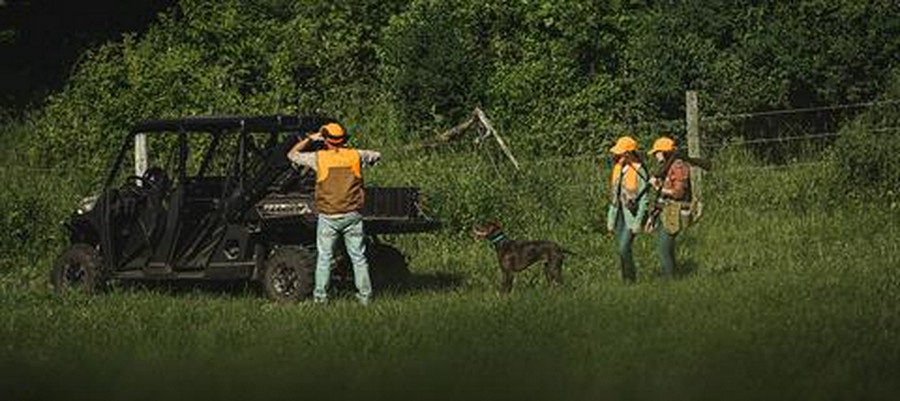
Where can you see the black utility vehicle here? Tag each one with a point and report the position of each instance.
(219, 201)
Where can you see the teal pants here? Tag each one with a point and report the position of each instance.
(350, 227)
(666, 251)
(624, 238)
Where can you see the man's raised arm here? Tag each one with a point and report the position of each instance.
(369, 157)
(296, 155)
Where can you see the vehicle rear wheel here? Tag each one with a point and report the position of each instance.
(78, 268)
(289, 274)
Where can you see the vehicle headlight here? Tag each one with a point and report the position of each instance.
(87, 204)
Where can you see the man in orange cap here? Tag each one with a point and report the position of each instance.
(628, 201)
(339, 200)
(673, 200)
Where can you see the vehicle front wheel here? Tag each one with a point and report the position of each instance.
(289, 274)
(78, 268)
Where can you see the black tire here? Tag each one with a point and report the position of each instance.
(78, 268)
(388, 267)
(289, 274)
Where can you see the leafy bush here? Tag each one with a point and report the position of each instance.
(868, 153)
(434, 62)
(35, 202)
(761, 56)
(208, 58)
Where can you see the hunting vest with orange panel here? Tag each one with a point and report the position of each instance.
(339, 184)
(627, 182)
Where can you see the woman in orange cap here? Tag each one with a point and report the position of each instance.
(628, 201)
(673, 200)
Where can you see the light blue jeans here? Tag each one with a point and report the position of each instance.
(351, 228)
(666, 251)
(625, 237)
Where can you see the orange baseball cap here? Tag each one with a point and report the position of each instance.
(334, 133)
(624, 144)
(663, 144)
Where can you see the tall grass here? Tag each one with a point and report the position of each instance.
(813, 320)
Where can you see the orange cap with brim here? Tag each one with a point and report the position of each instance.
(663, 144)
(334, 133)
(624, 144)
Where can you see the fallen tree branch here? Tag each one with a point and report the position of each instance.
(459, 130)
(490, 128)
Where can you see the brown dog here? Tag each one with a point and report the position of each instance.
(516, 256)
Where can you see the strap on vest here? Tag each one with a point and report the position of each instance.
(632, 206)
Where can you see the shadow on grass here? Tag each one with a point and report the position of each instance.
(401, 282)
(176, 288)
(686, 269)
(388, 270)
(407, 284)
(429, 282)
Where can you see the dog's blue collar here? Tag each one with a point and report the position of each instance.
(497, 237)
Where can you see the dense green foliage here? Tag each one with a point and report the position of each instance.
(541, 69)
(871, 157)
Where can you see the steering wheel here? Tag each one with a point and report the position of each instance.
(143, 179)
(154, 179)
(146, 183)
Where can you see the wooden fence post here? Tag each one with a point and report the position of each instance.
(692, 120)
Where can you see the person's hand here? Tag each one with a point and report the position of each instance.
(655, 182)
(649, 227)
(315, 136)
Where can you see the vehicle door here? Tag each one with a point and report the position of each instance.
(207, 174)
(130, 214)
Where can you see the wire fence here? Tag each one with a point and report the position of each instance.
(798, 143)
(852, 106)
(722, 131)
(596, 187)
(794, 130)
(822, 135)
(772, 140)
(470, 163)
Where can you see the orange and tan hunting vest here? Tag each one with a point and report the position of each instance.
(339, 184)
(628, 181)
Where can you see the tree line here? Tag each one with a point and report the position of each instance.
(558, 69)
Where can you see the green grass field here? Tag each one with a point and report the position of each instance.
(773, 301)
